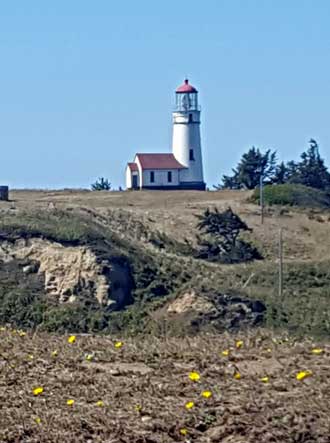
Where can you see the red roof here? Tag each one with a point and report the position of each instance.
(159, 161)
(186, 87)
(133, 166)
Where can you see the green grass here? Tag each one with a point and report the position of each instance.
(157, 274)
(23, 302)
(304, 306)
(293, 195)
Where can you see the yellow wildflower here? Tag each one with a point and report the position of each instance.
(194, 376)
(317, 351)
(70, 402)
(72, 339)
(30, 357)
(37, 391)
(206, 394)
(138, 408)
(119, 344)
(37, 420)
(225, 353)
(239, 344)
(89, 357)
(190, 405)
(22, 333)
(55, 353)
(237, 376)
(183, 431)
(303, 374)
(265, 379)
(2, 329)
(100, 403)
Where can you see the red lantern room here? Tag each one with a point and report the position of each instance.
(186, 97)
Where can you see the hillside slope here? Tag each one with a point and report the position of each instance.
(134, 246)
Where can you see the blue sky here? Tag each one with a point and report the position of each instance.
(86, 84)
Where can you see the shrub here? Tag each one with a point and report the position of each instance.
(293, 195)
(102, 184)
(220, 242)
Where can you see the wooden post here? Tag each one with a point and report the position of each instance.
(261, 199)
(280, 264)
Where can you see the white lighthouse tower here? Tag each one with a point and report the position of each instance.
(183, 168)
(186, 146)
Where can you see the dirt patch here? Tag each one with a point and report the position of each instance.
(259, 368)
(119, 369)
(139, 392)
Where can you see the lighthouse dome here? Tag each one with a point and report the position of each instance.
(186, 87)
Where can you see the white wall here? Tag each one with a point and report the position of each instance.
(186, 136)
(128, 178)
(136, 160)
(160, 177)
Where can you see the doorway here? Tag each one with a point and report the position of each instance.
(135, 181)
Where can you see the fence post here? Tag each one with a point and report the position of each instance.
(261, 199)
(280, 264)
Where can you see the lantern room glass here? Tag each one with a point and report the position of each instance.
(186, 101)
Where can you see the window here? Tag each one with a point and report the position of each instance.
(190, 118)
(152, 177)
(191, 154)
(169, 176)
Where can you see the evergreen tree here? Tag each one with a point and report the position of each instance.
(102, 184)
(281, 174)
(311, 170)
(251, 167)
(229, 182)
(291, 171)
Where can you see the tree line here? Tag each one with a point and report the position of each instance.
(310, 170)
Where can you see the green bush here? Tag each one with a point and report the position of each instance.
(102, 184)
(293, 195)
(219, 238)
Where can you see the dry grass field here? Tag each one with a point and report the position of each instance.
(96, 389)
(306, 236)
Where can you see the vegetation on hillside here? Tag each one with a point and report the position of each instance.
(161, 269)
(253, 165)
(102, 184)
(23, 302)
(219, 238)
(292, 195)
(310, 171)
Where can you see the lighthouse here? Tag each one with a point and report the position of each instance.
(183, 168)
(186, 143)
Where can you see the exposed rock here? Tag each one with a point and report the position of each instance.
(190, 301)
(68, 270)
(31, 268)
(220, 311)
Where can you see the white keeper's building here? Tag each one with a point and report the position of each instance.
(183, 168)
